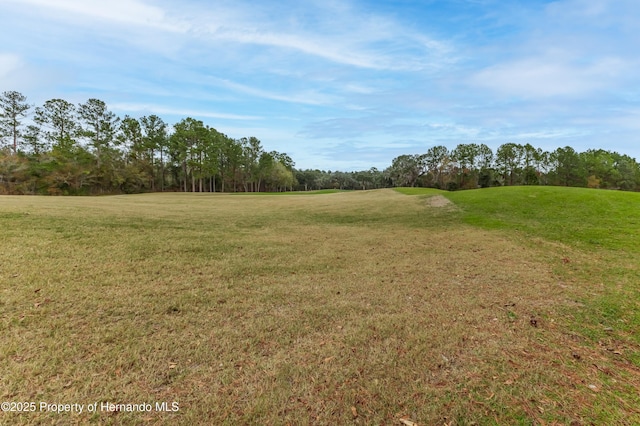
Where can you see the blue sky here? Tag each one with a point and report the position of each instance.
(343, 84)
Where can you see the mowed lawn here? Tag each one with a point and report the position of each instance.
(372, 307)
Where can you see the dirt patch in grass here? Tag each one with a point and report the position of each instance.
(438, 201)
(295, 310)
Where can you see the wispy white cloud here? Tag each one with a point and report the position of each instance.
(338, 33)
(552, 134)
(309, 97)
(17, 74)
(130, 12)
(327, 49)
(160, 109)
(9, 63)
(550, 76)
(574, 48)
(359, 88)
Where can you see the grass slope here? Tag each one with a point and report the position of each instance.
(604, 227)
(596, 232)
(577, 216)
(343, 308)
(585, 218)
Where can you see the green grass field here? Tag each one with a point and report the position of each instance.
(497, 306)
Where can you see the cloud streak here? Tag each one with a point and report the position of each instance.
(551, 76)
(142, 109)
(128, 12)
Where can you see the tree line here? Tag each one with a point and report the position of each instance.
(86, 149)
(63, 148)
(473, 165)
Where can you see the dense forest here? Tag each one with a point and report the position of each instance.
(474, 165)
(87, 149)
(63, 148)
